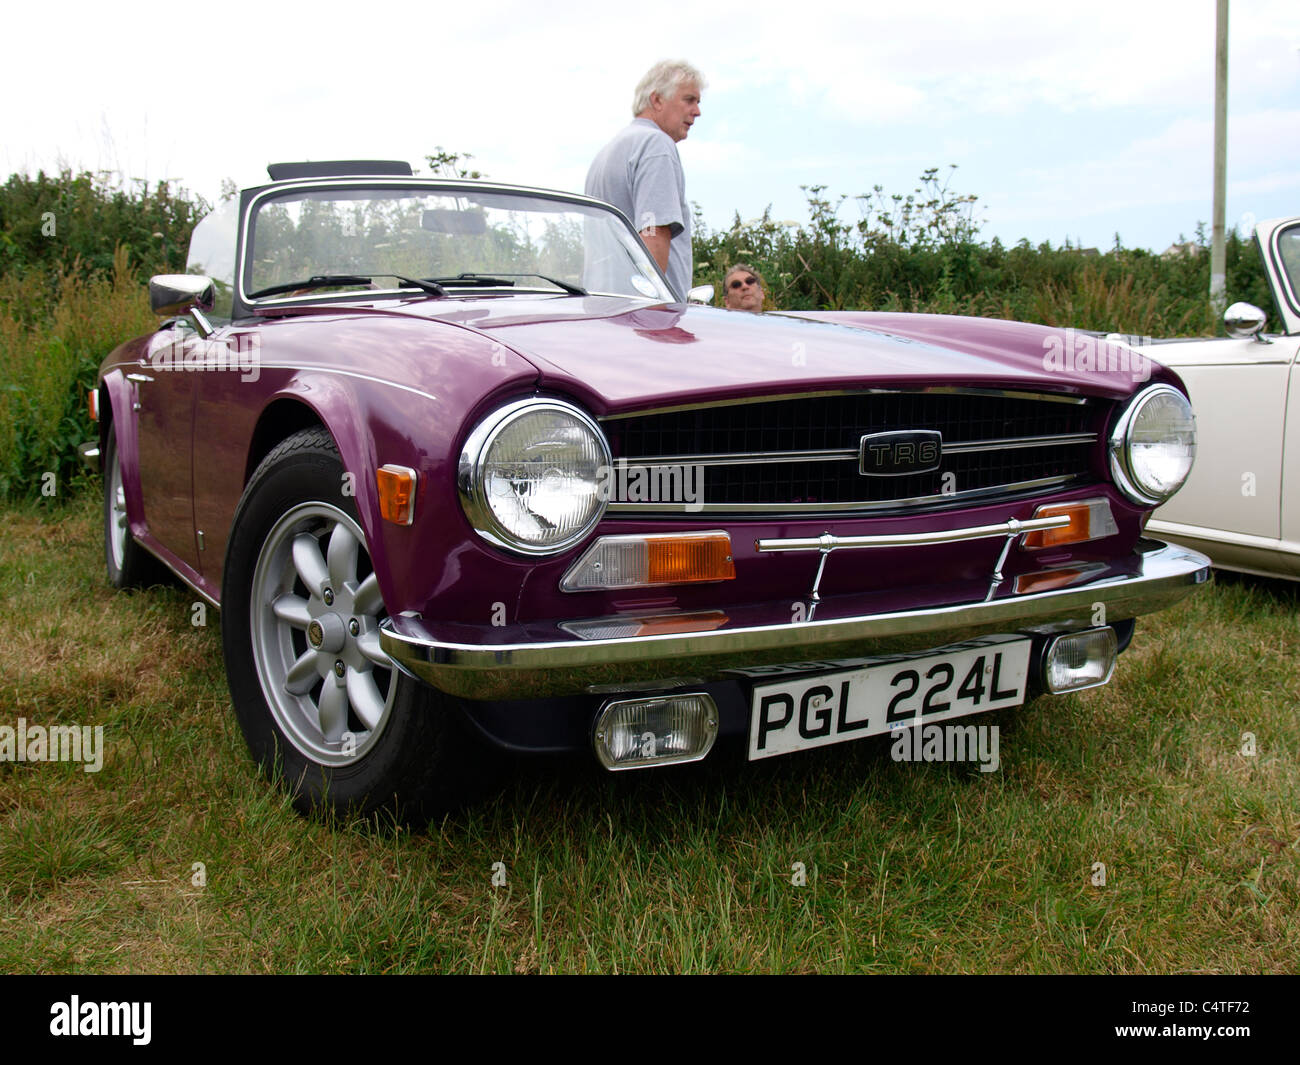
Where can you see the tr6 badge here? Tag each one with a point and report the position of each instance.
(897, 454)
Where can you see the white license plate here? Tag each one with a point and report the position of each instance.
(799, 713)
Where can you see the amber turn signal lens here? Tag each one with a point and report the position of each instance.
(1090, 519)
(396, 493)
(680, 559)
(92, 404)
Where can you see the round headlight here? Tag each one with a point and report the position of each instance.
(532, 476)
(1153, 445)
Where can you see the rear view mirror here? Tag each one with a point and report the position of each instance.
(453, 222)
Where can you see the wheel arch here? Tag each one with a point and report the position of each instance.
(117, 419)
(282, 417)
(321, 401)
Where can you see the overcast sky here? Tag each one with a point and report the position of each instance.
(1065, 121)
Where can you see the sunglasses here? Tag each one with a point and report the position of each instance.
(744, 281)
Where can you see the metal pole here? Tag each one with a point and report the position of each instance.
(1217, 265)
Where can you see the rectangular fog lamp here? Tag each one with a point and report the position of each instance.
(1080, 660)
(661, 730)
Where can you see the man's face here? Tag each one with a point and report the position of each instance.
(743, 292)
(675, 116)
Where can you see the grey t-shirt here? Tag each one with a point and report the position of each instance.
(640, 173)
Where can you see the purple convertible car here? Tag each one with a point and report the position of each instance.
(461, 472)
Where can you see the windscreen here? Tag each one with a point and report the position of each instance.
(368, 235)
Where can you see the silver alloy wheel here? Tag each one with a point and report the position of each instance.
(117, 528)
(314, 611)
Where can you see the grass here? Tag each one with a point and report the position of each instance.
(910, 867)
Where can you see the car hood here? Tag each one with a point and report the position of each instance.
(620, 354)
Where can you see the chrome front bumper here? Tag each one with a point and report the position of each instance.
(536, 661)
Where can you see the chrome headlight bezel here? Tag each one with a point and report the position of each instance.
(1120, 448)
(470, 479)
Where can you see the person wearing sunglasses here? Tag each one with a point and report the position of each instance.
(742, 289)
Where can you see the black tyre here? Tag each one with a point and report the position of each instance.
(129, 564)
(316, 697)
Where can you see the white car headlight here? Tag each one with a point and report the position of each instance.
(532, 476)
(1153, 445)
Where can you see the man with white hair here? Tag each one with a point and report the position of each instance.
(640, 172)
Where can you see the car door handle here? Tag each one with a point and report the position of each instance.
(139, 378)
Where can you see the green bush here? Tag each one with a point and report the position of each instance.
(75, 252)
(75, 222)
(48, 364)
(920, 252)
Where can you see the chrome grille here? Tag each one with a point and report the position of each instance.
(801, 454)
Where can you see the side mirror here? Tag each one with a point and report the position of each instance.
(700, 294)
(171, 294)
(1243, 320)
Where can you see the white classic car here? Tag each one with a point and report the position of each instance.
(1241, 504)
